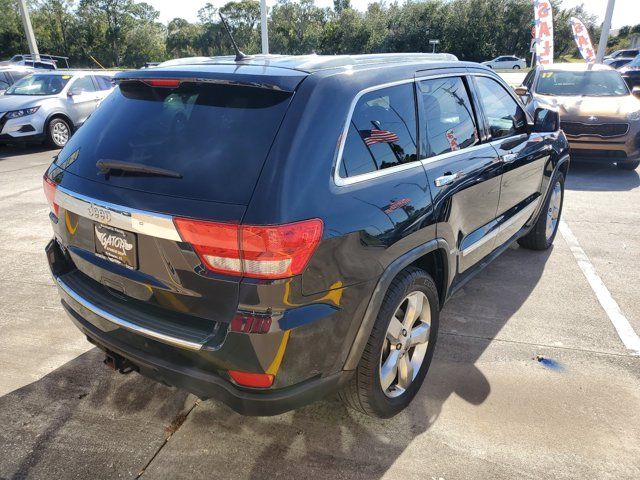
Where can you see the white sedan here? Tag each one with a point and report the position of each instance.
(507, 62)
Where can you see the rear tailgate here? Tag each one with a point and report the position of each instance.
(116, 225)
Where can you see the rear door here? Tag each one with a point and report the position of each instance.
(103, 87)
(82, 99)
(463, 172)
(522, 154)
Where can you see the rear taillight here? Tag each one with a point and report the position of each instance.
(50, 192)
(250, 323)
(274, 251)
(255, 380)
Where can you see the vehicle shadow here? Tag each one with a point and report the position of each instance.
(600, 177)
(81, 403)
(84, 421)
(327, 440)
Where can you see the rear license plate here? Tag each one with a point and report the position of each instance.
(116, 245)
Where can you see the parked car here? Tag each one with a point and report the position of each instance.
(631, 72)
(44, 62)
(10, 75)
(51, 106)
(617, 62)
(269, 231)
(507, 62)
(600, 115)
(627, 52)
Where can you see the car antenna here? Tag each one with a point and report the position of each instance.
(239, 55)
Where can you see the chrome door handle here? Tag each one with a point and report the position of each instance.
(509, 157)
(445, 179)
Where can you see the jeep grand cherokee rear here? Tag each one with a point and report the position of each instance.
(267, 231)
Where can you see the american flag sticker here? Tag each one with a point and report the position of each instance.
(371, 137)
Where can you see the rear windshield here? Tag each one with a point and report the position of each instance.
(214, 137)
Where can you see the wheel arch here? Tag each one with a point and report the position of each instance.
(61, 115)
(432, 257)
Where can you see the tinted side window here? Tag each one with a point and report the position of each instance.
(504, 115)
(382, 132)
(103, 82)
(83, 84)
(449, 120)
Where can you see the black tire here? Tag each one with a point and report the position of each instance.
(516, 67)
(629, 166)
(537, 238)
(364, 391)
(54, 140)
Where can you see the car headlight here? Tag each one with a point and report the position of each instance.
(634, 116)
(22, 113)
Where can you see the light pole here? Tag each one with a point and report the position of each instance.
(433, 44)
(263, 27)
(28, 31)
(604, 36)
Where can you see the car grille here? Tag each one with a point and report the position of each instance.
(603, 130)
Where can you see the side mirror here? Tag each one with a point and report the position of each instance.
(635, 91)
(546, 120)
(521, 91)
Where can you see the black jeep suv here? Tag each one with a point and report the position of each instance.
(268, 231)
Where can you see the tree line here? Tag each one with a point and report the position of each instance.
(126, 33)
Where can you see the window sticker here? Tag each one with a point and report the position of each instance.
(453, 141)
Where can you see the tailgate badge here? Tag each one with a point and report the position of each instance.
(100, 214)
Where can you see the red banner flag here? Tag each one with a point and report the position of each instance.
(543, 37)
(581, 36)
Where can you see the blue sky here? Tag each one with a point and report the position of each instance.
(627, 12)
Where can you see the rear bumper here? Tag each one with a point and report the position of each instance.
(208, 385)
(174, 355)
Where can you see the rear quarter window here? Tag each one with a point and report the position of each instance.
(381, 132)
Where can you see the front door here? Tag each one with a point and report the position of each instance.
(522, 155)
(464, 174)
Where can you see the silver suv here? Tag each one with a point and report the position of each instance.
(50, 106)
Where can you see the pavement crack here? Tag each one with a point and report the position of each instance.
(172, 428)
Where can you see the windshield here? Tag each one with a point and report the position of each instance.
(39, 84)
(602, 83)
(215, 137)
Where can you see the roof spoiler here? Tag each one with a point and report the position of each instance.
(241, 76)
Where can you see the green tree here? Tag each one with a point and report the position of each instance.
(12, 40)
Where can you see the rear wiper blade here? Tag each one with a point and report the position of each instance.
(105, 166)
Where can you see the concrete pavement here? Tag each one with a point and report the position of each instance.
(530, 379)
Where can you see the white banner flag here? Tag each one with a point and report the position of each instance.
(543, 31)
(581, 36)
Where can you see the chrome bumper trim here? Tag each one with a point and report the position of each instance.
(121, 322)
(139, 221)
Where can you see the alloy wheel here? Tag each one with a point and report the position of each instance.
(553, 211)
(60, 133)
(405, 344)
